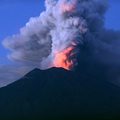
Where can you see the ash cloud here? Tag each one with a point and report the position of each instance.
(54, 30)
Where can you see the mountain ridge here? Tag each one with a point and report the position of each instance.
(58, 93)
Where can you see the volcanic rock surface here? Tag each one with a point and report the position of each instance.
(59, 94)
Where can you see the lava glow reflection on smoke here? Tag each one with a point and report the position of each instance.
(68, 6)
(62, 59)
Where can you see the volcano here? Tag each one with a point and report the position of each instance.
(59, 94)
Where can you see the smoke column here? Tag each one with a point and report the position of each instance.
(52, 39)
(68, 28)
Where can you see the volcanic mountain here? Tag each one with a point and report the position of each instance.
(59, 94)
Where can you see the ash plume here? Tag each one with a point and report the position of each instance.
(63, 24)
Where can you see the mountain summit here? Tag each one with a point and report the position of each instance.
(59, 94)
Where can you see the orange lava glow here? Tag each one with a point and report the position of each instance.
(67, 7)
(62, 59)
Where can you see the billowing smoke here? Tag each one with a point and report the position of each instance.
(65, 30)
(60, 27)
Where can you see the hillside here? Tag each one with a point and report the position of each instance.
(59, 94)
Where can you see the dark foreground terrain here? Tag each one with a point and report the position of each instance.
(57, 94)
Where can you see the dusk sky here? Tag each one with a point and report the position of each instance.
(16, 13)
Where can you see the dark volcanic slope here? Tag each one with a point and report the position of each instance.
(57, 93)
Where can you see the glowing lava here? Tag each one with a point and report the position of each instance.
(62, 59)
(68, 7)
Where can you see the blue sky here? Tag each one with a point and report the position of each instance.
(113, 15)
(15, 13)
(14, 16)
